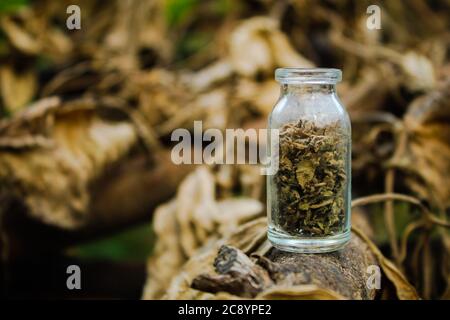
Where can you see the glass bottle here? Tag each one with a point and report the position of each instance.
(308, 197)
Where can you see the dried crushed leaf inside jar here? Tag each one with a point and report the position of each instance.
(309, 195)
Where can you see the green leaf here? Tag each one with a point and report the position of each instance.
(192, 44)
(176, 11)
(134, 244)
(9, 6)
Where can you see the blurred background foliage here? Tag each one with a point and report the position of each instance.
(86, 117)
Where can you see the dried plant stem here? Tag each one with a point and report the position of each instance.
(427, 265)
(427, 220)
(389, 215)
(401, 197)
(389, 188)
(410, 228)
(365, 52)
(445, 267)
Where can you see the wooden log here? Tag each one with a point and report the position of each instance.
(342, 272)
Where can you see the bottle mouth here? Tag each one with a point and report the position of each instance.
(308, 75)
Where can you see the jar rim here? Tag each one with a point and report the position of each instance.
(308, 75)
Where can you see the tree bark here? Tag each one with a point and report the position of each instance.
(343, 272)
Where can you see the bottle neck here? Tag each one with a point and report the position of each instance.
(308, 88)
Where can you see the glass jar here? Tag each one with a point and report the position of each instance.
(308, 197)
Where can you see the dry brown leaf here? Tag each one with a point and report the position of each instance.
(261, 96)
(419, 71)
(167, 255)
(427, 146)
(58, 44)
(195, 209)
(249, 236)
(299, 292)
(53, 181)
(284, 54)
(405, 291)
(17, 88)
(249, 50)
(208, 76)
(257, 45)
(226, 215)
(19, 37)
(189, 222)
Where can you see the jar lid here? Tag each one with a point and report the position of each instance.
(308, 75)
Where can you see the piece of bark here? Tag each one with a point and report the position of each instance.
(237, 274)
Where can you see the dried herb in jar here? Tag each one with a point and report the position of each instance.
(311, 179)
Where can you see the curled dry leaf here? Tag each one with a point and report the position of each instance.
(426, 149)
(227, 209)
(249, 49)
(419, 71)
(417, 74)
(212, 74)
(365, 94)
(261, 96)
(164, 96)
(52, 180)
(20, 38)
(192, 219)
(250, 236)
(160, 95)
(257, 45)
(404, 290)
(134, 25)
(32, 34)
(16, 88)
(299, 292)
